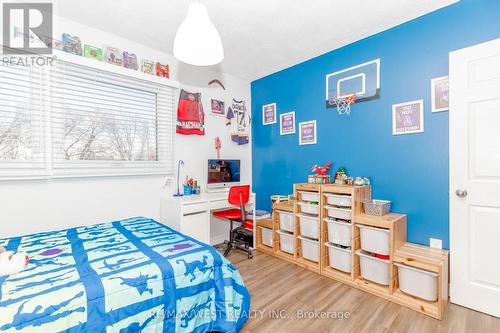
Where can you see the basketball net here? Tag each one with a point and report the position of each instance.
(343, 103)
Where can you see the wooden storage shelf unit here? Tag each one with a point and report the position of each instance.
(357, 195)
(396, 224)
(287, 206)
(429, 259)
(400, 251)
(301, 191)
(267, 223)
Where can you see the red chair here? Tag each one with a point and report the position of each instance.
(240, 237)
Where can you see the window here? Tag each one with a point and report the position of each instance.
(96, 123)
(21, 126)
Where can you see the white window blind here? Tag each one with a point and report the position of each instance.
(22, 134)
(73, 120)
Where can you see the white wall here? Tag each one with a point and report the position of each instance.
(31, 206)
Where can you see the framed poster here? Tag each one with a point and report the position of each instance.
(307, 135)
(408, 117)
(269, 114)
(287, 123)
(440, 94)
(217, 108)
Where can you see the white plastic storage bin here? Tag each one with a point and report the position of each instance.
(310, 248)
(339, 213)
(374, 239)
(309, 225)
(339, 258)
(373, 269)
(286, 242)
(266, 236)
(309, 196)
(339, 232)
(308, 208)
(418, 282)
(286, 220)
(338, 200)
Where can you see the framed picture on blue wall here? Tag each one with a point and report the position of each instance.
(408, 117)
(307, 134)
(440, 94)
(287, 123)
(269, 114)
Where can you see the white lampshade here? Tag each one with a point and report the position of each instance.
(197, 41)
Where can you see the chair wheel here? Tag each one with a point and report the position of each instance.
(250, 256)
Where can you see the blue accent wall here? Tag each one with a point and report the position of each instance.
(410, 170)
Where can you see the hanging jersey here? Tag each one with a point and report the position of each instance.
(238, 120)
(190, 115)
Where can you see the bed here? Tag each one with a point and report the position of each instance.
(134, 275)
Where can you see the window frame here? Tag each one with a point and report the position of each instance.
(49, 168)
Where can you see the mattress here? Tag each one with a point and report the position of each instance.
(134, 275)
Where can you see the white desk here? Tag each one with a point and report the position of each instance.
(191, 215)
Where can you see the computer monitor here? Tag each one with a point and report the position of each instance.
(223, 174)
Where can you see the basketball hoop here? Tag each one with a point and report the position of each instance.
(343, 103)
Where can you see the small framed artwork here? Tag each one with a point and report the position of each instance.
(307, 135)
(218, 108)
(269, 114)
(408, 117)
(287, 123)
(440, 94)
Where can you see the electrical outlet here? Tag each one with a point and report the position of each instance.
(168, 181)
(436, 243)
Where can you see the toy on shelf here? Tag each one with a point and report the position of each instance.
(162, 70)
(113, 55)
(71, 44)
(12, 263)
(320, 177)
(366, 180)
(130, 60)
(92, 52)
(147, 66)
(191, 186)
(341, 176)
(358, 181)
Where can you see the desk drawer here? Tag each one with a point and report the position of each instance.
(223, 204)
(194, 208)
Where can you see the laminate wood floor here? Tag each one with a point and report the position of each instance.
(282, 293)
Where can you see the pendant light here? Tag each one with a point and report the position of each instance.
(197, 41)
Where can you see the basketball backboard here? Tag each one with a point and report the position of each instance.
(362, 80)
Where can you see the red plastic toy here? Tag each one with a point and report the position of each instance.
(321, 170)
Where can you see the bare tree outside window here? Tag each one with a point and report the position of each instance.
(111, 133)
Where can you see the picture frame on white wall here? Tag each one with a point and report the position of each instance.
(308, 133)
(440, 94)
(269, 114)
(408, 117)
(287, 123)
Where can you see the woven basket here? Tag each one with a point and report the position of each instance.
(377, 207)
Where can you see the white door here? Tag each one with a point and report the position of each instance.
(475, 177)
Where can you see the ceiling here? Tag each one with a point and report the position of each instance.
(260, 37)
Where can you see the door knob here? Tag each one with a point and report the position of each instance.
(461, 193)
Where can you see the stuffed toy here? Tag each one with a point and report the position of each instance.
(11, 263)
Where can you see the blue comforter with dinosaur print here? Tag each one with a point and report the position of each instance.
(135, 275)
